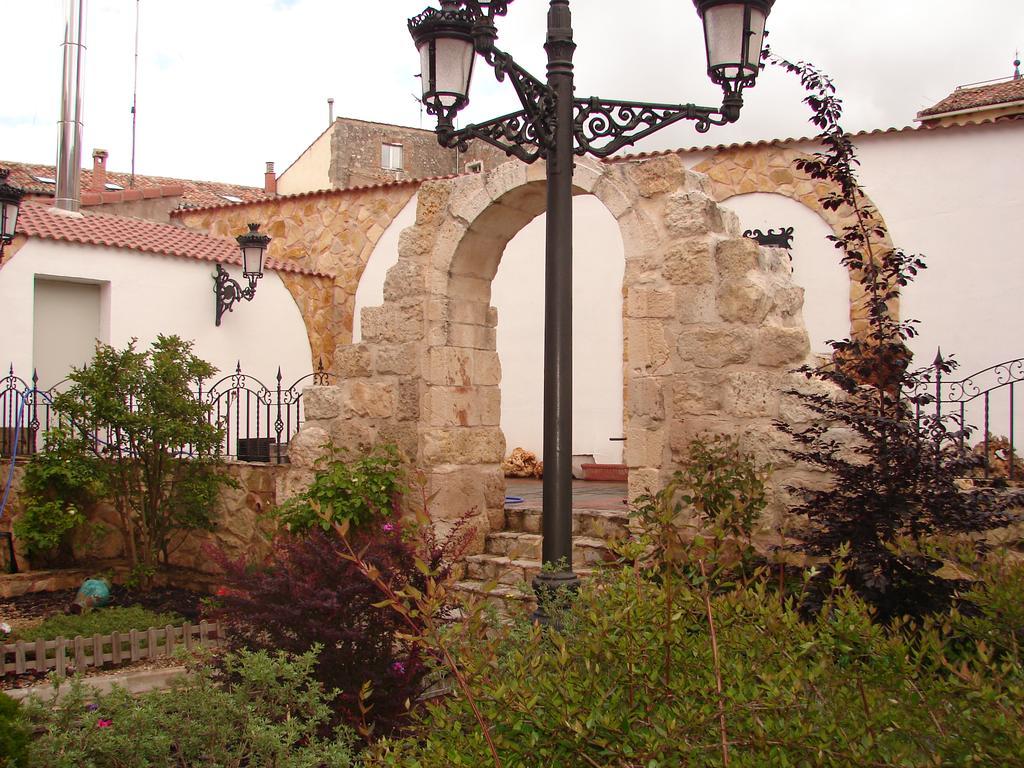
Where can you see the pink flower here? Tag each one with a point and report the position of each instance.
(398, 668)
(388, 527)
(222, 591)
(101, 723)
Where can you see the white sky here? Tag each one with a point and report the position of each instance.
(224, 85)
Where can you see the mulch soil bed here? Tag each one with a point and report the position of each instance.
(37, 606)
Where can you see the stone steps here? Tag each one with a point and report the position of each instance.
(506, 570)
(512, 557)
(595, 523)
(586, 550)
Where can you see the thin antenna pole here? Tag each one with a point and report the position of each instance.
(135, 93)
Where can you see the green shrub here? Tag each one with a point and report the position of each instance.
(266, 712)
(57, 489)
(14, 734)
(685, 656)
(99, 621)
(634, 683)
(348, 489)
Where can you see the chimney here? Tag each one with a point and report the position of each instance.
(99, 170)
(69, 144)
(270, 180)
(330, 112)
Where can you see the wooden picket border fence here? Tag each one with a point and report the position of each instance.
(116, 648)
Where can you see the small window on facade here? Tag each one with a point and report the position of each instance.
(391, 157)
(477, 166)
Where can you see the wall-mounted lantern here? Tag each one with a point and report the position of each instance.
(10, 202)
(227, 290)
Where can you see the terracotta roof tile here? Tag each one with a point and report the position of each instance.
(321, 192)
(42, 221)
(193, 193)
(802, 139)
(977, 98)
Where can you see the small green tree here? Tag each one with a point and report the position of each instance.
(894, 487)
(131, 419)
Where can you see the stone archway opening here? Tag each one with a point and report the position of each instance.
(711, 327)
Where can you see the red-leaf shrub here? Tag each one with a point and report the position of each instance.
(309, 592)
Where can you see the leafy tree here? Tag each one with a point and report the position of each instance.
(133, 426)
(895, 482)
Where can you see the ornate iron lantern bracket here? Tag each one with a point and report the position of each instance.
(781, 239)
(229, 292)
(253, 247)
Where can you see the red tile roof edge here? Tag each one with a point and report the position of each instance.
(91, 198)
(1003, 93)
(195, 191)
(318, 193)
(615, 159)
(38, 220)
(803, 139)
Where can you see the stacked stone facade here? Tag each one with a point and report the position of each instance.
(740, 170)
(356, 154)
(712, 326)
(332, 232)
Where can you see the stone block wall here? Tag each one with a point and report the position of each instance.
(332, 232)
(356, 154)
(712, 324)
(242, 529)
(738, 170)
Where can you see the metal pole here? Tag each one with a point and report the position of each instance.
(557, 515)
(69, 141)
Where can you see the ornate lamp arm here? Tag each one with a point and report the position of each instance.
(514, 134)
(527, 134)
(228, 291)
(618, 121)
(537, 98)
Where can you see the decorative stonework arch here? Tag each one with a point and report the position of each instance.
(711, 326)
(772, 169)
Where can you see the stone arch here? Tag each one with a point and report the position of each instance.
(711, 326)
(772, 169)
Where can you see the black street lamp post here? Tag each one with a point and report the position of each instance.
(555, 126)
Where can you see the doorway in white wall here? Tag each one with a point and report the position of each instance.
(65, 327)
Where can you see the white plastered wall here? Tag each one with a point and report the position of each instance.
(144, 295)
(518, 294)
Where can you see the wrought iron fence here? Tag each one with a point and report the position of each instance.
(983, 405)
(258, 420)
